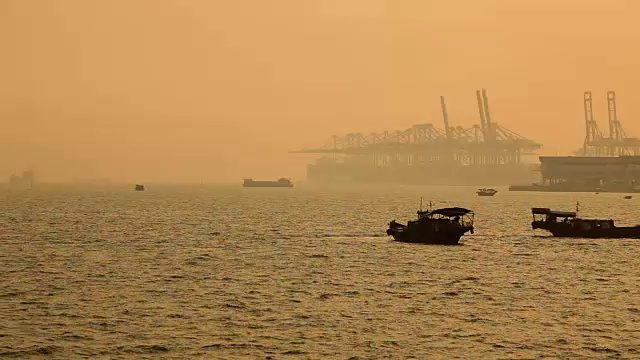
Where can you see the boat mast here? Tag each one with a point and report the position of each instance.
(420, 203)
(577, 207)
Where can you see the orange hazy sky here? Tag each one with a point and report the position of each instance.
(218, 90)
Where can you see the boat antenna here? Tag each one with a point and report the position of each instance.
(577, 206)
(430, 206)
(420, 203)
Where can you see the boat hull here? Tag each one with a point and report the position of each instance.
(268, 185)
(428, 236)
(568, 231)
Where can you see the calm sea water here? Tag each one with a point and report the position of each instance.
(227, 272)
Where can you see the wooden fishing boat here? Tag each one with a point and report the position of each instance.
(441, 226)
(568, 224)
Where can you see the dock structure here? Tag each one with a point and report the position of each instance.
(617, 143)
(590, 171)
(419, 151)
(587, 174)
(603, 164)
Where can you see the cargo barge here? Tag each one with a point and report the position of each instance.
(282, 182)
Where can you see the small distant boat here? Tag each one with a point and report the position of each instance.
(441, 226)
(568, 224)
(282, 182)
(486, 192)
(139, 187)
(628, 197)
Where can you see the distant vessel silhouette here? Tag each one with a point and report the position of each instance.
(282, 182)
(25, 180)
(139, 187)
(486, 192)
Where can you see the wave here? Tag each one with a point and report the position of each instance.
(363, 235)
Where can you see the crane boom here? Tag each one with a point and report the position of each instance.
(445, 117)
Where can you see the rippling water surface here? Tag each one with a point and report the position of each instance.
(227, 272)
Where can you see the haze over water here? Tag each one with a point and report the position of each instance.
(200, 91)
(225, 272)
(216, 91)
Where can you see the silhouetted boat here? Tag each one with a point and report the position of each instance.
(139, 187)
(282, 182)
(486, 192)
(441, 226)
(628, 197)
(568, 224)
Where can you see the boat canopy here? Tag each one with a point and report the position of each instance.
(540, 210)
(563, 213)
(547, 211)
(453, 211)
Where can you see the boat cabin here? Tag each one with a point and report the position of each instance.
(548, 215)
(461, 216)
